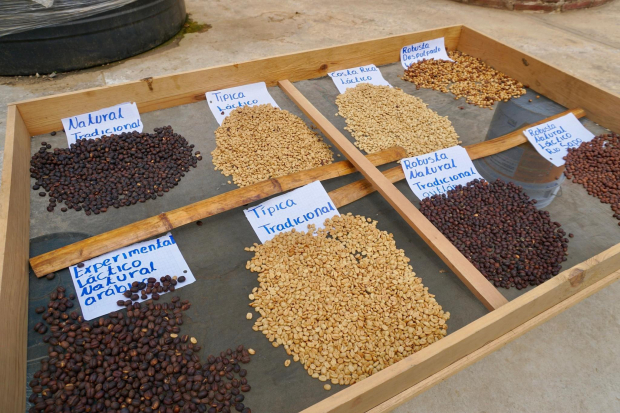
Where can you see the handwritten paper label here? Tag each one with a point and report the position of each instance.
(344, 79)
(552, 139)
(438, 172)
(114, 120)
(297, 209)
(101, 282)
(222, 102)
(430, 50)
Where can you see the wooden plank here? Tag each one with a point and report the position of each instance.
(43, 115)
(159, 224)
(359, 189)
(467, 273)
(567, 90)
(395, 379)
(494, 345)
(14, 244)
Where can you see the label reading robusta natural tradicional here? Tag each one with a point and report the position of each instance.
(438, 172)
(552, 139)
(344, 79)
(222, 102)
(297, 209)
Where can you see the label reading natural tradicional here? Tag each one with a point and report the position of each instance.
(344, 79)
(101, 282)
(430, 50)
(222, 102)
(552, 139)
(438, 172)
(297, 209)
(114, 120)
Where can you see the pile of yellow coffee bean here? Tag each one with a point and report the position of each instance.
(255, 143)
(342, 300)
(380, 117)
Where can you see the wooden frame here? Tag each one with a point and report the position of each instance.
(399, 382)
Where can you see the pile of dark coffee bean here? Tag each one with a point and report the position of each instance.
(596, 166)
(135, 362)
(112, 171)
(498, 228)
(152, 287)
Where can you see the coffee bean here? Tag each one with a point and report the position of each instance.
(498, 228)
(199, 223)
(39, 310)
(138, 340)
(51, 276)
(596, 166)
(181, 279)
(80, 265)
(53, 133)
(115, 170)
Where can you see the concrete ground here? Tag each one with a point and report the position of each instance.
(570, 364)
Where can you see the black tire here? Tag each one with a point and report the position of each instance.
(92, 41)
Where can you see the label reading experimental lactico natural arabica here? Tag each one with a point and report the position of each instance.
(438, 172)
(222, 102)
(344, 79)
(297, 209)
(100, 282)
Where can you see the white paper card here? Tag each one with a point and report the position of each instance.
(430, 50)
(552, 139)
(103, 280)
(222, 102)
(113, 120)
(297, 209)
(344, 79)
(438, 172)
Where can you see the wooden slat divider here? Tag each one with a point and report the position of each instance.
(569, 91)
(359, 189)
(159, 224)
(14, 245)
(467, 273)
(44, 114)
(492, 346)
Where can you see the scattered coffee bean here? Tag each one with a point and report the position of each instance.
(80, 265)
(596, 166)
(467, 77)
(498, 228)
(131, 362)
(199, 223)
(371, 269)
(51, 276)
(252, 152)
(39, 310)
(406, 121)
(53, 133)
(327, 387)
(181, 279)
(248, 316)
(115, 170)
